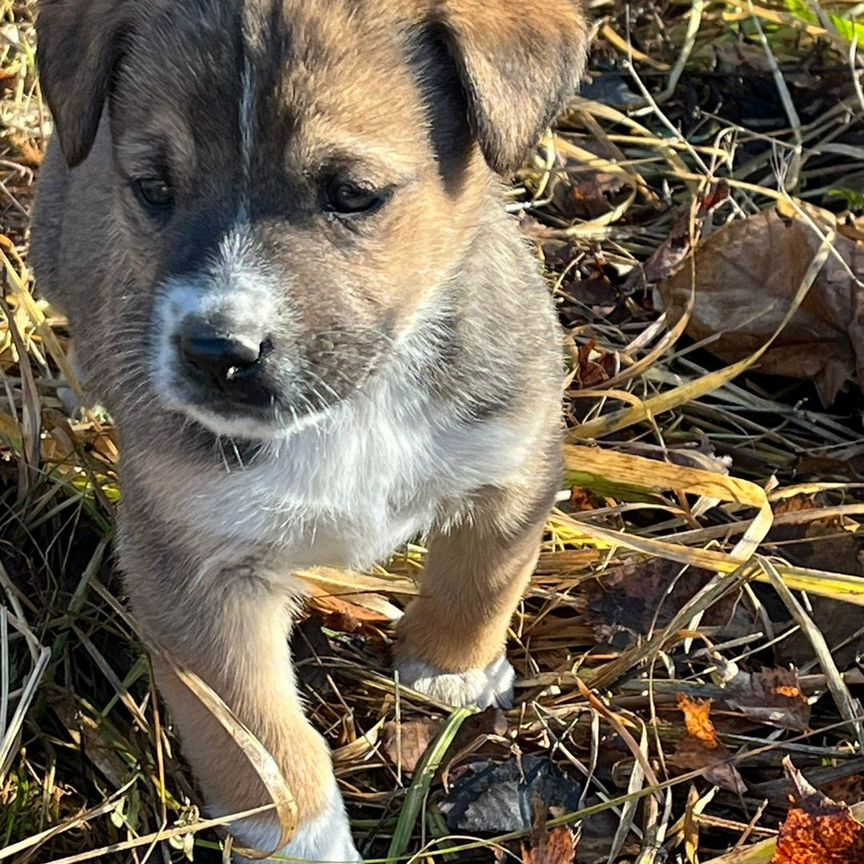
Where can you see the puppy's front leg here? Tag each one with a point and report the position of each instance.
(232, 632)
(452, 636)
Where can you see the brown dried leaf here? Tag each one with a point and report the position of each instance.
(408, 741)
(746, 275)
(595, 366)
(556, 847)
(353, 613)
(587, 195)
(845, 788)
(630, 600)
(817, 829)
(671, 254)
(770, 696)
(715, 763)
(702, 750)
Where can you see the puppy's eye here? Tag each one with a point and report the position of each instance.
(350, 199)
(154, 193)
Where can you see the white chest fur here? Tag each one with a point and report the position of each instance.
(348, 490)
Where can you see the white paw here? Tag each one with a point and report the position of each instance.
(326, 838)
(491, 685)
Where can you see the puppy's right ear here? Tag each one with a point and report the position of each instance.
(79, 44)
(519, 62)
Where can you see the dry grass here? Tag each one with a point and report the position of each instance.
(89, 768)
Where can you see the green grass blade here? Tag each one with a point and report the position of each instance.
(423, 777)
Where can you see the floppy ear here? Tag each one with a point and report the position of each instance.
(79, 43)
(519, 61)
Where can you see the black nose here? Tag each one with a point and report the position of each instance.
(221, 356)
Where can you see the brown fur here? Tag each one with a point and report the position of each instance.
(421, 97)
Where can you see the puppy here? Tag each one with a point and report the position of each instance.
(277, 231)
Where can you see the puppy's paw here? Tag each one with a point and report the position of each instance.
(486, 687)
(327, 838)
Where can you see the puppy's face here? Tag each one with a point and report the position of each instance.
(294, 184)
(285, 210)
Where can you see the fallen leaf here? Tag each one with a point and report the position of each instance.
(581, 500)
(627, 602)
(819, 544)
(596, 834)
(770, 696)
(405, 743)
(817, 830)
(595, 366)
(746, 274)
(353, 613)
(697, 719)
(714, 763)
(587, 196)
(480, 736)
(737, 54)
(702, 750)
(845, 788)
(671, 254)
(556, 847)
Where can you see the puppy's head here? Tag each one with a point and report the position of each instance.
(294, 184)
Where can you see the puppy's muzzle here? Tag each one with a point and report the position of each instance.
(225, 361)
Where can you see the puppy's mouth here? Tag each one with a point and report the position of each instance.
(252, 394)
(248, 405)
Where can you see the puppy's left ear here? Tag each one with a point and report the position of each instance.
(519, 62)
(80, 44)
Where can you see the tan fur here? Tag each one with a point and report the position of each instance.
(413, 360)
(475, 576)
(248, 665)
